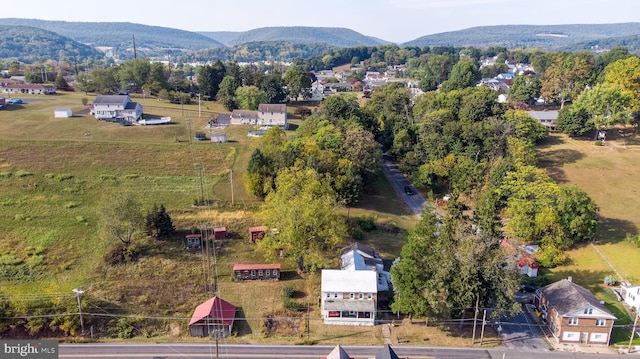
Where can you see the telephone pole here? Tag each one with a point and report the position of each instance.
(78, 292)
(633, 332)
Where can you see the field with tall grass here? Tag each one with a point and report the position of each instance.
(56, 174)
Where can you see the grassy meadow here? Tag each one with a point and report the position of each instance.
(56, 174)
(608, 174)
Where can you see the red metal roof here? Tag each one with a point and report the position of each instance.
(258, 229)
(255, 266)
(215, 308)
(220, 229)
(193, 236)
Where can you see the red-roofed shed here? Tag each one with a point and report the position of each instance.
(256, 272)
(220, 232)
(213, 317)
(257, 233)
(193, 240)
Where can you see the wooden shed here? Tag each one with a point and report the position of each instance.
(194, 241)
(220, 233)
(256, 272)
(257, 233)
(218, 138)
(214, 317)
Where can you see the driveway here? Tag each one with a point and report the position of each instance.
(521, 333)
(414, 201)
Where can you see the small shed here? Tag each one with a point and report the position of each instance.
(257, 233)
(62, 113)
(220, 233)
(256, 272)
(218, 138)
(214, 317)
(194, 241)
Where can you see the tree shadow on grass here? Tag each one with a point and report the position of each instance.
(552, 162)
(240, 324)
(614, 230)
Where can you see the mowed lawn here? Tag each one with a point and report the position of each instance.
(609, 174)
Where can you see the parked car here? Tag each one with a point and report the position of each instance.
(408, 191)
(14, 101)
(528, 288)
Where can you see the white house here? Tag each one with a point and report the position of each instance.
(546, 118)
(349, 297)
(267, 115)
(116, 108)
(631, 296)
(358, 257)
(62, 113)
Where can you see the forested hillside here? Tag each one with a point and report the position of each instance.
(260, 51)
(338, 37)
(29, 44)
(548, 37)
(150, 40)
(632, 43)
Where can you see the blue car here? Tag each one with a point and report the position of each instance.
(14, 101)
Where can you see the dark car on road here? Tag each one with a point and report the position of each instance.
(528, 288)
(408, 190)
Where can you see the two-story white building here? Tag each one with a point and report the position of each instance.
(631, 296)
(349, 297)
(267, 115)
(116, 108)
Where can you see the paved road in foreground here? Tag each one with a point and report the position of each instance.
(234, 351)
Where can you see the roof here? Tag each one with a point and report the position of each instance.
(356, 305)
(244, 114)
(193, 236)
(386, 353)
(220, 229)
(111, 99)
(27, 86)
(272, 107)
(61, 109)
(341, 281)
(357, 246)
(258, 229)
(544, 115)
(214, 308)
(256, 266)
(566, 297)
(338, 353)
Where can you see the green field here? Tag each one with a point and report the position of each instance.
(608, 174)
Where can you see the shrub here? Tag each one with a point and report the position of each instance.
(5, 175)
(292, 305)
(131, 176)
(23, 174)
(63, 177)
(633, 239)
(599, 143)
(70, 205)
(288, 291)
(49, 175)
(367, 224)
(104, 177)
(609, 280)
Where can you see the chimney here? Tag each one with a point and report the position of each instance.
(570, 279)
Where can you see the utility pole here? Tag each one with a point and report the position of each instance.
(78, 292)
(475, 318)
(484, 320)
(231, 179)
(633, 332)
(199, 106)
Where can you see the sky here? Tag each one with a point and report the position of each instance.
(392, 20)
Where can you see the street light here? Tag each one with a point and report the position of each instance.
(78, 292)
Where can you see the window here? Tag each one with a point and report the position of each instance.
(328, 295)
(260, 273)
(601, 322)
(335, 295)
(253, 273)
(588, 310)
(352, 295)
(334, 314)
(573, 321)
(369, 296)
(267, 272)
(360, 295)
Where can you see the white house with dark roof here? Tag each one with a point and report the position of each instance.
(358, 257)
(349, 297)
(116, 108)
(267, 115)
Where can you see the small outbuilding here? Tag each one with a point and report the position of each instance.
(218, 138)
(257, 233)
(194, 241)
(214, 317)
(220, 233)
(256, 272)
(62, 113)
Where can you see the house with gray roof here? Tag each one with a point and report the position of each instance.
(116, 108)
(574, 314)
(268, 115)
(349, 297)
(546, 118)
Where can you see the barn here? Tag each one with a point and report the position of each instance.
(214, 317)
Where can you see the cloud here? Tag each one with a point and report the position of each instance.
(426, 4)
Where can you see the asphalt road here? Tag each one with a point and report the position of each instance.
(190, 350)
(520, 333)
(415, 201)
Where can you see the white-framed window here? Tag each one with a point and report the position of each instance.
(588, 310)
(267, 272)
(360, 295)
(259, 272)
(571, 336)
(328, 295)
(601, 322)
(573, 321)
(598, 337)
(352, 295)
(369, 296)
